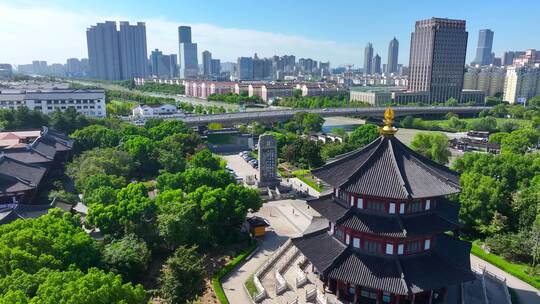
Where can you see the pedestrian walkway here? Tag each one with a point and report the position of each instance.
(525, 292)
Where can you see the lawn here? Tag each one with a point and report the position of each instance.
(250, 286)
(444, 124)
(308, 178)
(516, 269)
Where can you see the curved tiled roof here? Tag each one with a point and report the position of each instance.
(446, 264)
(387, 168)
(441, 218)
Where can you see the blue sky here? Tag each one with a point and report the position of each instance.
(325, 30)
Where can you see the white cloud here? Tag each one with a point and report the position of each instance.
(50, 34)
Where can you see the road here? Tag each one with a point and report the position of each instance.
(525, 292)
(277, 115)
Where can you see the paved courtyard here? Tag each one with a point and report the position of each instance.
(280, 216)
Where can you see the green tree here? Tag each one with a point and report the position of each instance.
(72, 286)
(68, 121)
(142, 151)
(497, 137)
(535, 101)
(364, 134)
(132, 213)
(179, 221)
(128, 256)
(95, 136)
(432, 145)
(488, 124)
(312, 122)
(166, 128)
(54, 240)
(107, 161)
(224, 210)
(205, 159)
(182, 276)
(480, 198)
(519, 141)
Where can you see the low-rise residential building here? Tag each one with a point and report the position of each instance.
(154, 110)
(222, 87)
(90, 102)
(271, 91)
(255, 89)
(320, 89)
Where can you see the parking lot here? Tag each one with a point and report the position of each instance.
(240, 166)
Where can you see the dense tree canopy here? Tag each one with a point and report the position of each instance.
(108, 161)
(432, 145)
(128, 256)
(131, 213)
(54, 240)
(71, 287)
(182, 276)
(363, 135)
(95, 136)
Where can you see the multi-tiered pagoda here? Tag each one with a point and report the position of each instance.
(388, 216)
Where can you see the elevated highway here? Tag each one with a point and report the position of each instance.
(270, 116)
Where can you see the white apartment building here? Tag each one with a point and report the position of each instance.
(90, 102)
(521, 83)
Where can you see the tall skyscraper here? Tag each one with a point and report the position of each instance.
(245, 68)
(133, 50)
(104, 51)
(116, 55)
(437, 58)
(163, 66)
(483, 51)
(368, 58)
(207, 63)
(393, 52)
(189, 65)
(216, 67)
(376, 65)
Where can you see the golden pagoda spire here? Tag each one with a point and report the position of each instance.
(388, 129)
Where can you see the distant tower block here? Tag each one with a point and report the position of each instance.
(267, 161)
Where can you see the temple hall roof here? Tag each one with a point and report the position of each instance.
(387, 168)
(397, 274)
(18, 176)
(442, 218)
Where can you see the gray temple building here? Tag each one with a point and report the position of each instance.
(437, 60)
(267, 161)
